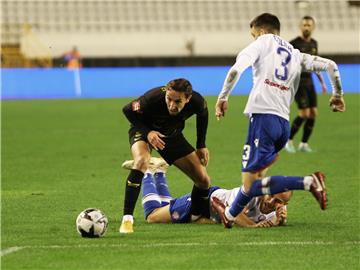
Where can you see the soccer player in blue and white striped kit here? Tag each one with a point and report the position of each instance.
(276, 67)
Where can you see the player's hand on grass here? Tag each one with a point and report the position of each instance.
(337, 104)
(220, 108)
(154, 138)
(203, 154)
(281, 214)
(265, 224)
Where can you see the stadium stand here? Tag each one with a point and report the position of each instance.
(149, 28)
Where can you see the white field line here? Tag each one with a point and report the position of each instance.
(10, 250)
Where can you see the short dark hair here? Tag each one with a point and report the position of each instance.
(307, 17)
(180, 85)
(266, 20)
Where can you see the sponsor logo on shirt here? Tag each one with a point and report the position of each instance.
(274, 84)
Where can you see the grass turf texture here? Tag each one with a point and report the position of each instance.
(62, 156)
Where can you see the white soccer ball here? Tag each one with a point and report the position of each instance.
(91, 223)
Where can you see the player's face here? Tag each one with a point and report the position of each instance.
(307, 27)
(175, 101)
(267, 204)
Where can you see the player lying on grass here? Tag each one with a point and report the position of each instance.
(161, 207)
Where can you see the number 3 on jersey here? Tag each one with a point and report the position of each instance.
(282, 72)
(246, 155)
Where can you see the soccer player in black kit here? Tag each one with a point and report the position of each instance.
(306, 95)
(157, 119)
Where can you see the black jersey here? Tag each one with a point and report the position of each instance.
(149, 112)
(309, 47)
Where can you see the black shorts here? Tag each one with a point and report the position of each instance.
(175, 146)
(306, 96)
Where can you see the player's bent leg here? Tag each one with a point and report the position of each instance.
(160, 215)
(248, 178)
(295, 126)
(314, 183)
(141, 155)
(193, 168)
(313, 113)
(304, 113)
(162, 188)
(243, 197)
(308, 129)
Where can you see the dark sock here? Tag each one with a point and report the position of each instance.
(132, 190)
(200, 202)
(296, 124)
(308, 128)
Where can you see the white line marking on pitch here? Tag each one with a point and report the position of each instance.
(10, 250)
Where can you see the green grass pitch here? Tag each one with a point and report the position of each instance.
(62, 156)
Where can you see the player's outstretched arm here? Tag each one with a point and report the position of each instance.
(316, 64)
(204, 220)
(243, 221)
(244, 59)
(322, 82)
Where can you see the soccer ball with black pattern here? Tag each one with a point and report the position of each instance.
(91, 223)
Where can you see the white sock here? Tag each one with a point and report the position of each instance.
(228, 215)
(127, 218)
(308, 180)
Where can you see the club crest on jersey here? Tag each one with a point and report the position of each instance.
(175, 215)
(135, 106)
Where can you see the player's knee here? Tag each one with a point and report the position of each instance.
(150, 220)
(203, 181)
(141, 163)
(304, 114)
(313, 114)
(284, 196)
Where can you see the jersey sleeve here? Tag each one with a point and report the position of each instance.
(311, 63)
(202, 118)
(134, 112)
(245, 58)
